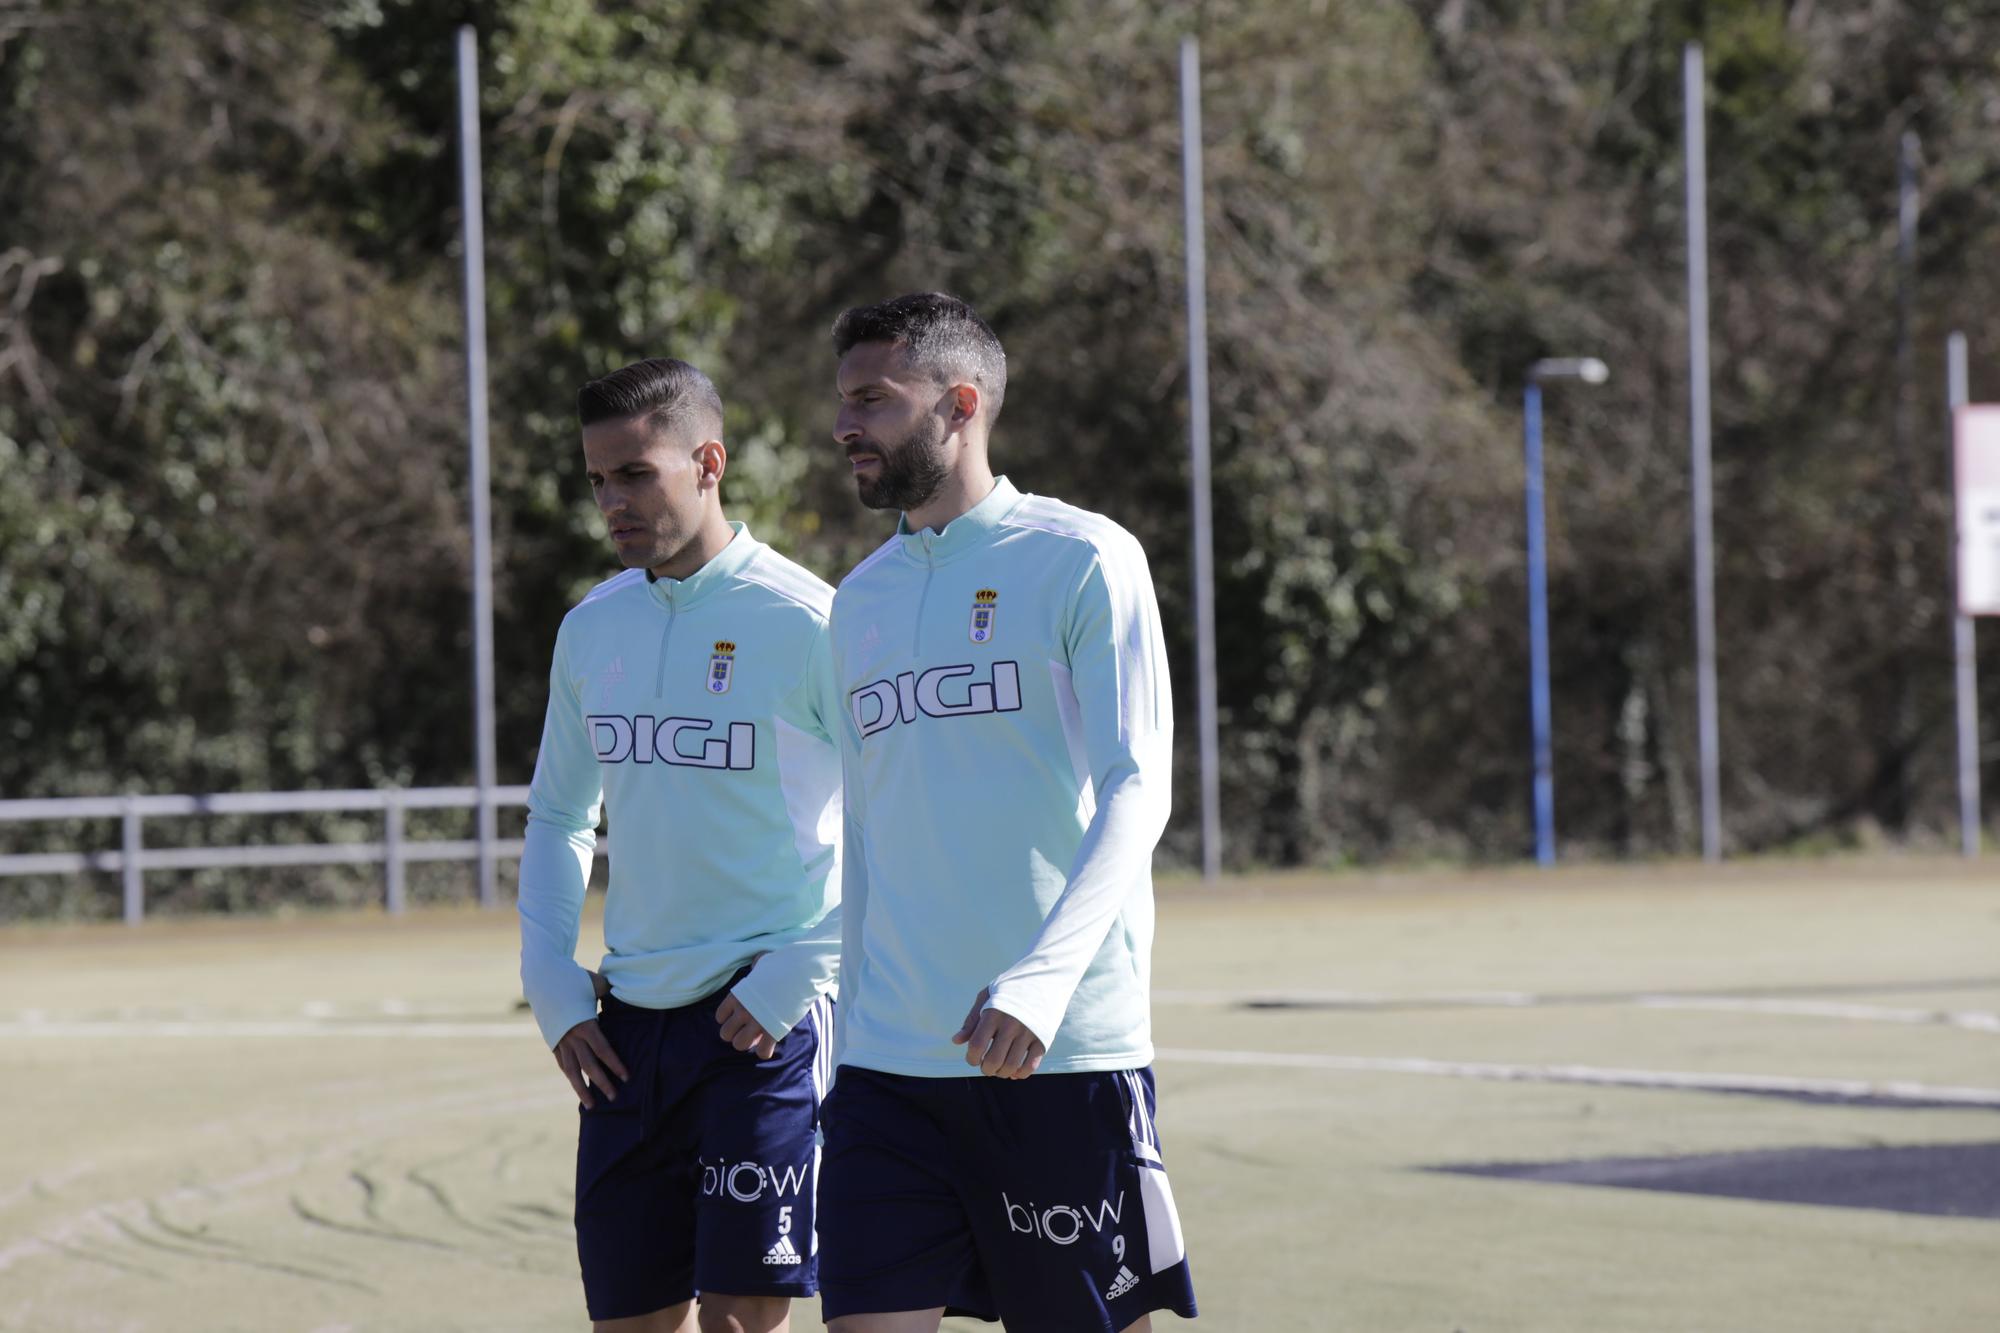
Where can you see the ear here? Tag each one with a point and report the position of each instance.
(711, 460)
(963, 400)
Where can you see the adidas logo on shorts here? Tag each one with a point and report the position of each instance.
(783, 1253)
(1124, 1282)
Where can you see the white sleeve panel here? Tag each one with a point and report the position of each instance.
(1063, 682)
(809, 776)
(807, 727)
(786, 981)
(563, 803)
(1118, 673)
(853, 878)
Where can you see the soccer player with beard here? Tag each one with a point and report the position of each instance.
(692, 696)
(1006, 747)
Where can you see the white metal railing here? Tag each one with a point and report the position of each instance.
(394, 851)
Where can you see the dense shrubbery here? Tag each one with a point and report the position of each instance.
(231, 480)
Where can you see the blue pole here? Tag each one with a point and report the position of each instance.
(1538, 636)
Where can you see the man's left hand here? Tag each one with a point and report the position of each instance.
(742, 1031)
(999, 1043)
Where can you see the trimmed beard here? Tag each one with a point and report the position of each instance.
(912, 471)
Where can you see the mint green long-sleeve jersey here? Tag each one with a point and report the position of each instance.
(1007, 747)
(701, 713)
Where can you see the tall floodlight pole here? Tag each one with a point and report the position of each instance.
(1906, 274)
(475, 403)
(1903, 494)
(1591, 371)
(1701, 488)
(1204, 544)
(1967, 670)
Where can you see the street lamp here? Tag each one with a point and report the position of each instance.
(1591, 371)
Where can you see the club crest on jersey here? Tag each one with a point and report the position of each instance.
(721, 667)
(985, 606)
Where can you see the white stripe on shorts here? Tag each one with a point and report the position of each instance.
(1163, 1221)
(1164, 1241)
(1142, 1115)
(821, 1013)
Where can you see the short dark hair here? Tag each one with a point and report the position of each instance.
(668, 393)
(941, 335)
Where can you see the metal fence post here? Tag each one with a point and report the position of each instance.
(1965, 670)
(478, 480)
(1543, 796)
(392, 854)
(1199, 482)
(392, 851)
(130, 867)
(1701, 483)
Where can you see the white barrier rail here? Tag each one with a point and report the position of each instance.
(132, 860)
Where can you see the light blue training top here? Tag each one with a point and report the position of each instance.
(701, 713)
(1007, 749)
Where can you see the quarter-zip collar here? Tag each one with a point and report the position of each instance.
(969, 531)
(680, 594)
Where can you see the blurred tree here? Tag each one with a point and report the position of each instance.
(232, 502)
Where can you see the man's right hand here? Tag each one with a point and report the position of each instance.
(585, 1056)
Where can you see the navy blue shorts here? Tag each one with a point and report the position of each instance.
(701, 1175)
(1041, 1202)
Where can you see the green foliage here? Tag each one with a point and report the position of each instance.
(232, 548)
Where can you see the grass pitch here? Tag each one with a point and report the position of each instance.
(344, 1124)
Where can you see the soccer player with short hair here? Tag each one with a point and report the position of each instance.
(692, 695)
(1006, 747)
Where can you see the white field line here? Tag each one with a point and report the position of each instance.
(1360, 999)
(99, 1221)
(199, 1013)
(319, 1013)
(1972, 1020)
(513, 1030)
(51, 1182)
(1896, 1090)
